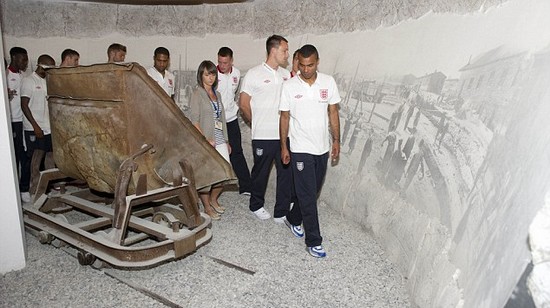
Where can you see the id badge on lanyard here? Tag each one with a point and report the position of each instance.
(217, 123)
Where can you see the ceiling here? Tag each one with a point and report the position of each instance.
(164, 2)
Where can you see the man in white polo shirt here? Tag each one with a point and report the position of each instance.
(228, 83)
(36, 122)
(309, 108)
(19, 60)
(259, 101)
(159, 71)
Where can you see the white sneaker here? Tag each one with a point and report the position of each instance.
(279, 220)
(262, 214)
(26, 197)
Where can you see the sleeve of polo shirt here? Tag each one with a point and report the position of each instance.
(247, 83)
(13, 83)
(335, 97)
(27, 86)
(284, 104)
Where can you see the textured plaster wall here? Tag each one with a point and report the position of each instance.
(458, 232)
(258, 18)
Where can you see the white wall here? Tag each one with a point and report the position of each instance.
(12, 246)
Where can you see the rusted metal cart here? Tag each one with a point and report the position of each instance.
(140, 162)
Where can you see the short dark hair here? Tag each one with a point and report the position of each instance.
(225, 52)
(46, 60)
(308, 50)
(14, 51)
(162, 51)
(273, 42)
(116, 47)
(295, 54)
(210, 67)
(69, 53)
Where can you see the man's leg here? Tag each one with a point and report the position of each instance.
(238, 161)
(321, 162)
(42, 153)
(19, 148)
(24, 183)
(294, 216)
(36, 161)
(284, 194)
(263, 160)
(305, 179)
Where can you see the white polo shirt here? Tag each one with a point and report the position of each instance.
(308, 107)
(264, 85)
(34, 87)
(14, 83)
(167, 82)
(227, 86)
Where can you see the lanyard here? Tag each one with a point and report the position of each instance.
(215, 105)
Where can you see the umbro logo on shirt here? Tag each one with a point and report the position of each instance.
(38, 87)
(298, 96)
(267, 81)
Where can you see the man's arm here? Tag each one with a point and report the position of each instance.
(334, 120)
(284, 120)
(244, 106)
(238, 90)
(28, 114)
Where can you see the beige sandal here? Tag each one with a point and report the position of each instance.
(214, 215)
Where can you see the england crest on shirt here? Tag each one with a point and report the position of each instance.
(259, 151)
(300, 165)
(235, 79)
(324, 94)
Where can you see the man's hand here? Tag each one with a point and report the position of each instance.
(245, 108)
(38, 131)
(285, 156)
(11, 93)
(335, 152)
(284, 120)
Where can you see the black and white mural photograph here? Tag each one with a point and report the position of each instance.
(440, 196)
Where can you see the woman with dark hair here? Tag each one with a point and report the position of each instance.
(208, 116)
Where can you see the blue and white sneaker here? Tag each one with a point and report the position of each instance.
(296, 230)
(317, 251)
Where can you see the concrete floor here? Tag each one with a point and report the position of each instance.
(276, 271)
